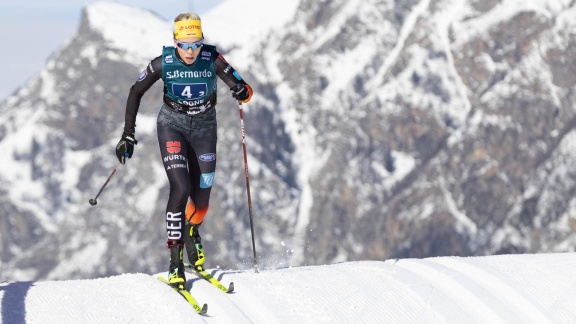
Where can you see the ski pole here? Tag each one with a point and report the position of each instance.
(93, 200)
(247, 183)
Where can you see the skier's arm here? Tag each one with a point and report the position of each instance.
(149, 76)
(240, 89)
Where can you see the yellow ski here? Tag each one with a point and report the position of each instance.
(205, 275)
(186, 294)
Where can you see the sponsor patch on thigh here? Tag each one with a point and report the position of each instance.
(206, 180)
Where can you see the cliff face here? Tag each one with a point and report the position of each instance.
(379, 130)
(432, 127)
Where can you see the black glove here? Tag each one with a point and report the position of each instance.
(125, 147)
(241, 92)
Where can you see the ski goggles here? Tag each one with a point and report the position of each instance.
(193, 46)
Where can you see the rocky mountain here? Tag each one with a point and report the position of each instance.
(379, 129)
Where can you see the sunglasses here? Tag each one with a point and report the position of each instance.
(193, 46)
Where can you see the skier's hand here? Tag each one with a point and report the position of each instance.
(125, 147)
(241, 92)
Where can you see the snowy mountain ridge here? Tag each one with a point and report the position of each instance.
(442, 96)
(497, 289)
(138, 32)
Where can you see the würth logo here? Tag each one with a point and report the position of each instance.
(173, 147)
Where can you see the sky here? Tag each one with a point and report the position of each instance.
(25, 50)
(529, 288)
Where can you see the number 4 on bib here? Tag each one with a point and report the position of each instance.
(190, 91)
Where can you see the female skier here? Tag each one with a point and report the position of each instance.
(186, 132)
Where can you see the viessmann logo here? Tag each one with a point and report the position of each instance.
(207, 157)
(188, 74)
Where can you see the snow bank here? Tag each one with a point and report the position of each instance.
(496, 289)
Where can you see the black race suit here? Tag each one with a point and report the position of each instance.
(186, 134)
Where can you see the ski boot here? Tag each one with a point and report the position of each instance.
(194, 249)
(176, 276)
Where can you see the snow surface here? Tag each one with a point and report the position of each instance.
(496, 289)
(124, 27)
(240, 23)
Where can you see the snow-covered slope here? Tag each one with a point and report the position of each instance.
(138, 31)
(243, 23)
(500, 289)
(378, 129)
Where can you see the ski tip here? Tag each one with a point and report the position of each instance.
(231, 287)
(204, 309)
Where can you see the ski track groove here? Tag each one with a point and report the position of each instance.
(398, 289)
(551, 291)
(384, 288)
(221, 307)
(455, 291)
(245, 298)
(302, 295)
(323, 294)
(525, 310)
(361, 301)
